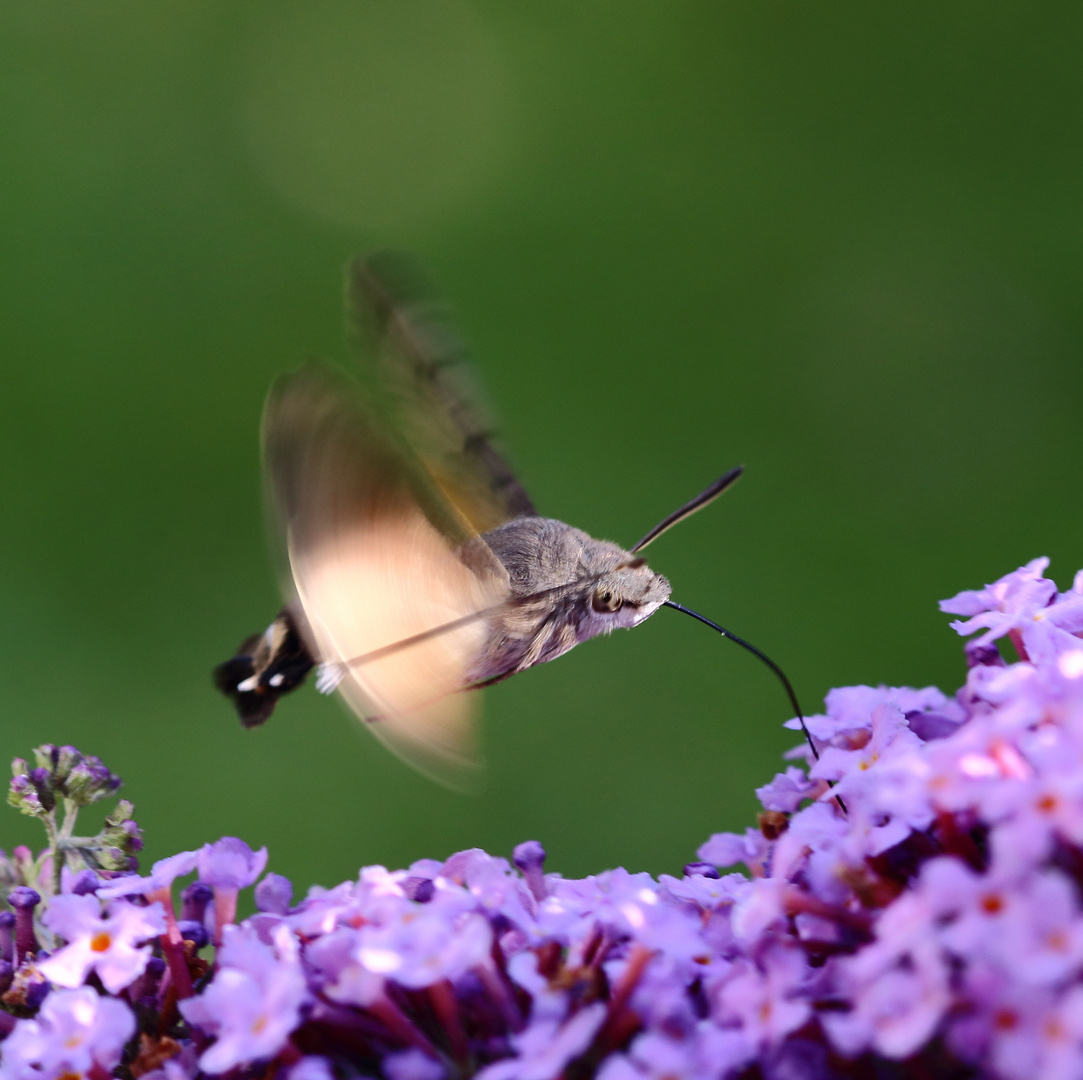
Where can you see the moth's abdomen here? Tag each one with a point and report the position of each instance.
(265, 667)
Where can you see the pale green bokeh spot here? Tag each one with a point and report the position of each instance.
(374, 115)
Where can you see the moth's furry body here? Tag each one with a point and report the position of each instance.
(418, 566)
(555, 572)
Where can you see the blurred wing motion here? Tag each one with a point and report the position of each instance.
(412, 360)
(381, 489)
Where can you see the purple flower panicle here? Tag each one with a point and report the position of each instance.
(910, 905)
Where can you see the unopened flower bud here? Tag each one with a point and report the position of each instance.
(24, 899)
(46, 756)
(982, 654)
(529, 858)
(273, 894)
(419, 889)
(113, 858)
(121, 837)
(195, 932)
(23, 795)
(89, 780)
(57, 761)
(196, 897)
(701, 869)
(7, 935)
(84, 883)
(23, 859)
(43, 785)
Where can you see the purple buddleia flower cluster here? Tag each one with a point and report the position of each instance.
(911, 906)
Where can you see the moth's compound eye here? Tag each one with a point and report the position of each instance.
(605, 602)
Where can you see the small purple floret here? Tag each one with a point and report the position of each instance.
(162, 875)
(75, 1033)
(230, 863)
(107, 944)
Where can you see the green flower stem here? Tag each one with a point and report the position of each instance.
(71, 812)
(53, 850)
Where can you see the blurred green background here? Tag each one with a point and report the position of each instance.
(840, 243)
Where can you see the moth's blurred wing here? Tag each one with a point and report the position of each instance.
(371, 569)
(409, 352)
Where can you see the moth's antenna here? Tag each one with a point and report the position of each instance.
(764, 657)
(689, 508)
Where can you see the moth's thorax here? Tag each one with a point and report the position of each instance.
(565, 587)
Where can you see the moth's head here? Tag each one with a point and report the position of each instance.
(627, 594)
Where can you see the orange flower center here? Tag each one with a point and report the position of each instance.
(1005, 1020)
(1057, 940)
(1046, 804)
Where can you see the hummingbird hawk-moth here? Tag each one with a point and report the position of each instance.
(417, 566)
